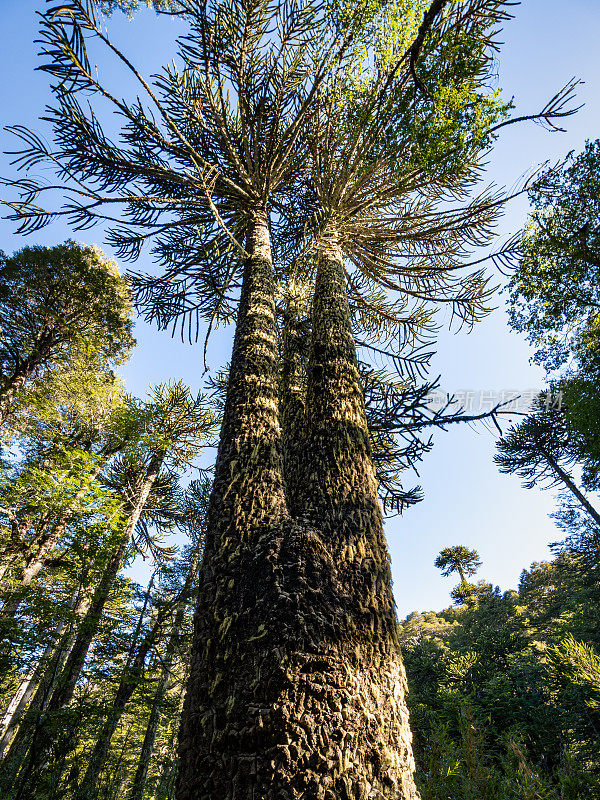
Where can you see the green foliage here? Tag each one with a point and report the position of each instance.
(174, 421)
(458, 559)
(72, 293)
(78, 453)
(580, 663)
(59, 306)
(131, 6)
(539, 444)
(554, 293)
(554, 296)
(503, 691)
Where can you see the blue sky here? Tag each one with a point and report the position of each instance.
(466, 500)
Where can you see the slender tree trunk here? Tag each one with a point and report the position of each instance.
(11, 385)
(12, 715)
(572, 487)
(47, 732)
(10, 388)
(293, 393)
(141, 775)
(14, 712)
(44, 686)
(131, 677)
(37, 558)
(15, 547)
(165, 781)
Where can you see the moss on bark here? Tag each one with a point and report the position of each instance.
(297, 686)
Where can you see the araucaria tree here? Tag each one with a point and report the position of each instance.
(297, 685)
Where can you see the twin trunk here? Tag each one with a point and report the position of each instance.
(297, 685)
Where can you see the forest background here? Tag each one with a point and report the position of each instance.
(466, 500)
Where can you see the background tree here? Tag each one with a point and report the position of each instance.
(542, 450)
(175, 428)
(53, 300)
(554, 292)
(498, 701)
(458, 559)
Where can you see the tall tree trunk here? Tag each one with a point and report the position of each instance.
(165, 781)
(573, 488)
(47, 732)
(36, 559)
(248, 486)
(131, 677)
(11, 385)
(15, 547)
(247, 501)
(12, 715)
(141, 775)
(43, 689)
(366, 741)
(297, 685)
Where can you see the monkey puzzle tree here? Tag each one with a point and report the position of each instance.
(542, 450)
(54, 301)
(295, 619)
(458, 559)
(464, 561)
(395, 140)
(175, 427)
(171, 166)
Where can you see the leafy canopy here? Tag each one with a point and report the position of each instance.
(57, 301)
(555, 292)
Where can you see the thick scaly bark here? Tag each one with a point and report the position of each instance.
(247, 501)
(297, 685)
(367, 739)
(247, 489)
(48, 732)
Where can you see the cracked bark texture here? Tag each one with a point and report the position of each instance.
(297, 687)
